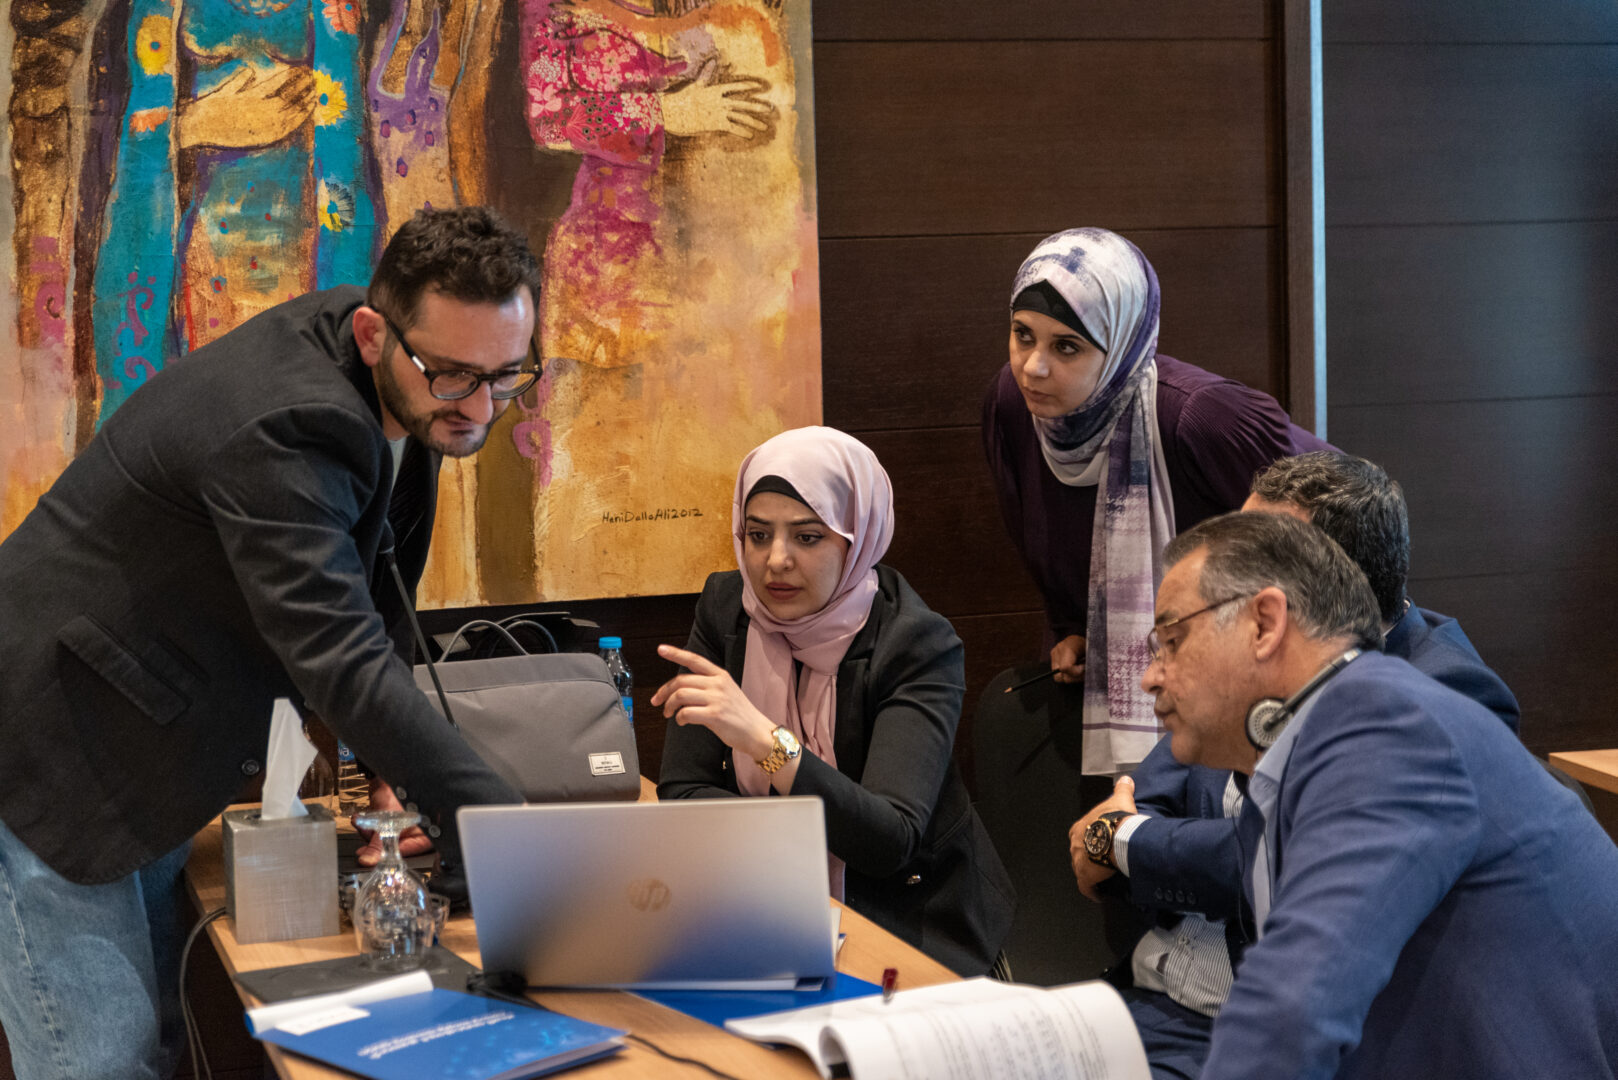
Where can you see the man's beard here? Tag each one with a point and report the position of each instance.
(419, 425)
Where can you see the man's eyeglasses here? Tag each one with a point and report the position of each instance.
(454, 384)
(1155, 646)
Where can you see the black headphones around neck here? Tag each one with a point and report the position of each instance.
(1267, 718)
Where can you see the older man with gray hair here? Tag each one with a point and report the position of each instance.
(1175, 835)
(1425, 899)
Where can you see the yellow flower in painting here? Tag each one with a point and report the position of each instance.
(336, 203)
(331, 102)
(152, 47)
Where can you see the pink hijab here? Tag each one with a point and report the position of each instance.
(847, 488)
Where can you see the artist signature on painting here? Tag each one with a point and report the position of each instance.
(671, 513)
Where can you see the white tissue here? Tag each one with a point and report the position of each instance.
(289, 757)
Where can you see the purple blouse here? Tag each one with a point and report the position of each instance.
(1217, 434)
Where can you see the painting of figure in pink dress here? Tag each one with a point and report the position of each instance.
(679, 312)
(614, 82)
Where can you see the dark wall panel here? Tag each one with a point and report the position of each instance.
(1472, 201)
(1546, 634)
(1470, 21)
(1464, 312)
(1500, 486)
(923, 320)
(1042, 20)
(949, 541)
(1434, 134)
(962, 138)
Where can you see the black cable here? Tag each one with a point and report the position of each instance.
(652, 1046)
(508, 986)
(193, 1034)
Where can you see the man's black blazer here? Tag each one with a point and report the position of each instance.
(216, 545)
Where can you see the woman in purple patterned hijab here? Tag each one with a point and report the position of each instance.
(1100, 449)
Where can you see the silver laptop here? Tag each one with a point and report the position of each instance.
(688, 894)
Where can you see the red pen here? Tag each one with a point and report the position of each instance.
(890, 982)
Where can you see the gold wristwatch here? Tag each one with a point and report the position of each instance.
(1098, 837)
(787, 747)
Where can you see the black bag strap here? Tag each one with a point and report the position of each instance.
(528, 622)
(421, 639)
(491, 625)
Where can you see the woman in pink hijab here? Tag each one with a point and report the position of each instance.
(813, 670)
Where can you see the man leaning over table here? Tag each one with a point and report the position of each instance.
(225, 540)
(1427, 900)
(1182, 857)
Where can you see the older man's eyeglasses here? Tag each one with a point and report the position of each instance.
(453, 384)
(1157, 649)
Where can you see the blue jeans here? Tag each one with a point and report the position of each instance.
(89, 973)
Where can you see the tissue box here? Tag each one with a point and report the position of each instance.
(281, 875)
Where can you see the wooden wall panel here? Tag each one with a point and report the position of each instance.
(1546, 633)
(949, 541)
(914, 329)
(1467, 312)
(1041, 20)
(924, 138)
(1471, 195)
(1498, 486)
(1429, 134)
(1500, 21)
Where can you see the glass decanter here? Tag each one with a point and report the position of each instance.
(391, 926)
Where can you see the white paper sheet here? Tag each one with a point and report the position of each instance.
(279, 1014)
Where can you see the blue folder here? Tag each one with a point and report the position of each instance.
(717, 1006)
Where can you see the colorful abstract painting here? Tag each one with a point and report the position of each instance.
(178, 166)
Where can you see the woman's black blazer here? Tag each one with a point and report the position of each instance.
(919, 861)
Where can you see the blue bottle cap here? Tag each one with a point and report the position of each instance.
(611, 643)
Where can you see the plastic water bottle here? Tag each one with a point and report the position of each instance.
(353, 789)
(621, 676)
(319, 783)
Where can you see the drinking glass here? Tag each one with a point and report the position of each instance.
(437, 914)
(392, 926)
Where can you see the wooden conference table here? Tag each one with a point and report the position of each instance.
(1598, 768)
(866, 951)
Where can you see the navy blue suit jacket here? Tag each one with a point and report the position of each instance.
(1187, 859)
(1442, 906)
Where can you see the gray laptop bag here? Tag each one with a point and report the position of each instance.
(551, 725)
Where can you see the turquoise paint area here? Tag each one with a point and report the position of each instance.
(261, 29)
(344, 255)
(134, 278)
(256, 208)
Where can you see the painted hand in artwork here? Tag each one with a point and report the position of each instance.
(712, 105)
(250, 108)
(647, 30)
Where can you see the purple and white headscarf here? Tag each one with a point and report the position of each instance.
(1112, 440)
